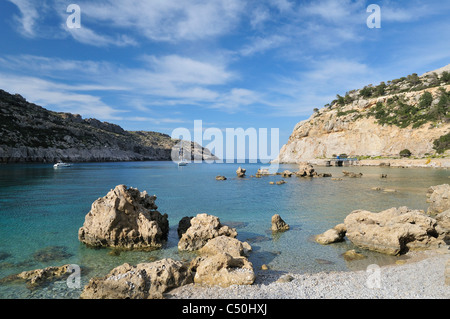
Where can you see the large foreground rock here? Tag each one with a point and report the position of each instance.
(393, 231)
(438, 197)
(222, 262)
(203, 228)
(125, 218)
(144, 281)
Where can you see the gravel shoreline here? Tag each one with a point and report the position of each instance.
(423, 276)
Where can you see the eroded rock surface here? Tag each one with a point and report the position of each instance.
(125, 218)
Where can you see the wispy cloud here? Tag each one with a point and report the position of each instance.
(87, 36)
(262, 44)
(28, 16)
(62, 98)
(167, 20)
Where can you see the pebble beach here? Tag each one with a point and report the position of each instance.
(423, 276)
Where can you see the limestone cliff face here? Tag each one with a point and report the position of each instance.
(30, 133)
(401, 118)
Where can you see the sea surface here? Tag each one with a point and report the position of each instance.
(42, 208)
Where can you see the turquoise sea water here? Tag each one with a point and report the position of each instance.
(41, 210)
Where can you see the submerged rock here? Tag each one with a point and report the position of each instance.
(125, 218)
(52, 253)
(350, 255)
(351, 174)
(203, 228)
(38, 277)
(144, 281)
(221, 178)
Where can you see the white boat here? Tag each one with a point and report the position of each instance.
(61, 164)
(182, 163)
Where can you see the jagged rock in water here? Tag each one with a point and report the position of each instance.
(125, 218)
(278, 224)
(203, 228)
(240, 172)
(306, 170)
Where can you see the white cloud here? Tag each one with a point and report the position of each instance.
(61, 98)
(336, 11)
(282, 5)
(90, 37)
(167, 20)
(261, 44)
(29, 15)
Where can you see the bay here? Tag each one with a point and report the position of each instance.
(41, 210)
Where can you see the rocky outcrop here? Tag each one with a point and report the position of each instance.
(203, 228)
(372, 122)
(240, 172)
(225, 244)
(278, 224)
(31, 133)
(333, 235)
(125, 218)
(38, 277)
(443, 220)
(183, 225)
(222, 262)
(439, 199)
(144, 281)
(393, 231)
(306, 170)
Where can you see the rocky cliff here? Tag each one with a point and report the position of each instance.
(407, 113)
(30, 133)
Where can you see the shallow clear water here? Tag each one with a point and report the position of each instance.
(43, 208)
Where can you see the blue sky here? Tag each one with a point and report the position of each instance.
(161, 64)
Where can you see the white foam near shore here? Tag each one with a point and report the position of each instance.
(422, 277)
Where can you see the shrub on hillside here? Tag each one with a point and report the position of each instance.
(405, 153)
